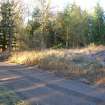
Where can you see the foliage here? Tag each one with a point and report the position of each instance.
(75, 23)
(98, 25)
(7, 26)
(71, 28)
(11, 24)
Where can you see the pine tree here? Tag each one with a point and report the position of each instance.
(99, 25)
(7, 26)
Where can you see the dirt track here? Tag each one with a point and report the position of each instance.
(40, 87)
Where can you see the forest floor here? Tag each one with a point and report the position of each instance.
(39, 87)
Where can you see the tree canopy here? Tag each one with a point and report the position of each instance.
(70, 28)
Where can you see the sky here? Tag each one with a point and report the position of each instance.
(60, 4)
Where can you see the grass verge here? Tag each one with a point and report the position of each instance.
(8, 97)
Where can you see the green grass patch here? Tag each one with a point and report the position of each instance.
(8, 97)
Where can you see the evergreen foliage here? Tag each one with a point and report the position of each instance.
(70, 28)
(7, 27)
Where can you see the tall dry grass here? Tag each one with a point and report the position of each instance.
(67, 62)
(58, 60)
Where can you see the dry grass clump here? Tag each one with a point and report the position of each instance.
(61, 64)
(29, 58)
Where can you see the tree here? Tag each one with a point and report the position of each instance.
(75, 26)
(7, 26)
(33, 29)
(18, 18)
(98, 25)
(72, 27)
(45, 11)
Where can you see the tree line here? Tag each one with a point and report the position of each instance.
(70, 28)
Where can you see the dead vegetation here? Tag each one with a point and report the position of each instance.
(74, 63)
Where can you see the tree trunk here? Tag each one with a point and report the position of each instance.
(67, 38)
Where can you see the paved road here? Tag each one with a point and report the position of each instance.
(39, 87)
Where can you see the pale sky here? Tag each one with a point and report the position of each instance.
(60, 4)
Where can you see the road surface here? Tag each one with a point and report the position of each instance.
(40, 87)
